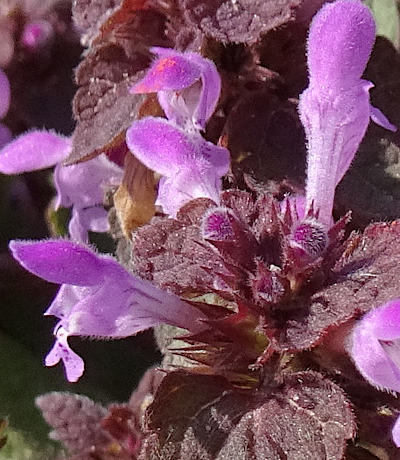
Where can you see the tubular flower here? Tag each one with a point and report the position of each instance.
(188, 88)
(187, 85)
(375, 349)
(80, 186)
(191, 166)
(335, 109)
(97, 297)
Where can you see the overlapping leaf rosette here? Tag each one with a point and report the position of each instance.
(285, 324)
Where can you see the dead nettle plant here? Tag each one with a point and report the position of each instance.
(288, 321)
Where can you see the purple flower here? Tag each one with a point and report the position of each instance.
(335, 109)
(375, 349)
(375, 346)
(191, 167)
(36, 34)
(187, 84)
(5, 97)
(188, 87)
(80, 186)
(97, 297)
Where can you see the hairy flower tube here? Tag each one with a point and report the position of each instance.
(80, 186)
(97, 297)
(375, 349)
(335, 108)
(5, 96)
(188, 87)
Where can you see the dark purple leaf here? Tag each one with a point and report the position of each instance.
(103, 107)
(305, 416)
(75, 421)
(243, 21)
(88, 13)
(366, 276)
(168, 253)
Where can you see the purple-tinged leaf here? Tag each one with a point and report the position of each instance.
(366, 276)
(165, 251)
(305, 416)
(244, 21)
(75, 421)
(33, 151)
(88, 13)
(103, 107)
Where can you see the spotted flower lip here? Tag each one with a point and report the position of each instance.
(335, 108)
(188, 86)
(97, 297)
(80, 186)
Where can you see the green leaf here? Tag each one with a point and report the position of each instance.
(387, 19)
(19, 446)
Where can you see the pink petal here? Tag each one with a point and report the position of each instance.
(380, 119)
(170, 71)
(341, 37)
(59, 261)
(375, 346)
(33, 151)
(160, 145)
(61, 351)
(36, 34)
(188, 86)
(396, 432)
(83, 184)
(94, 219)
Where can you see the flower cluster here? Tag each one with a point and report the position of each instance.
(80, 186)
(188, 88)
